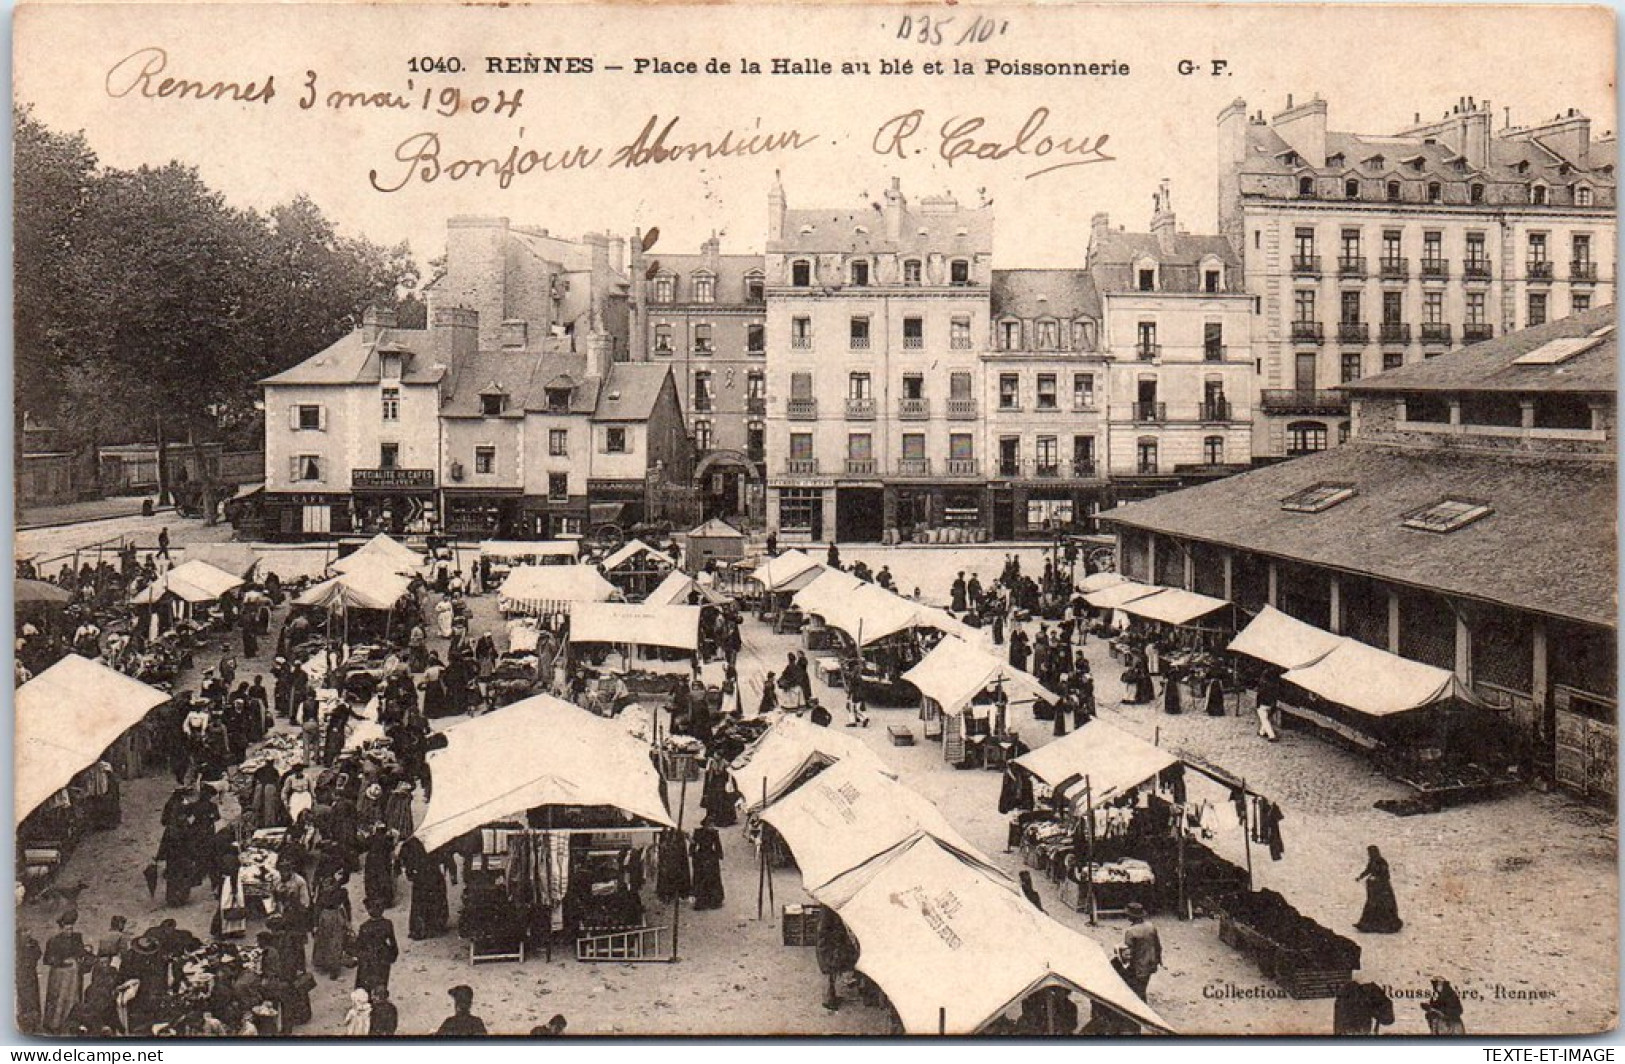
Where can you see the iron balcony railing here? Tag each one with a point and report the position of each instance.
(860, 409)
(913, 409)
(801, 410)
(1395, 332)
(1302, 401)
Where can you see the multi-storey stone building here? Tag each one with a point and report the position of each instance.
(875, 317)
(705, 315)
(1369, 252)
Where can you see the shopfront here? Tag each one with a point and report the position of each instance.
(306, 515)
(396, 502)
(484, 514)
(801, 513)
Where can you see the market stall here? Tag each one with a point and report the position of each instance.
(715, 541)
(636, 568)
(789, 753)
(680, 589)
(183, 594)
(238, 559)
(963, 690)
(551, 589)
(953, 948)
(365, 600)
(562, 833)
(381, 552)
(67, 718)
(864, 624)
(499, 556)
(657, 645)
(779, 578)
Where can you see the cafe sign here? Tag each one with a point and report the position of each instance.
(392, 478)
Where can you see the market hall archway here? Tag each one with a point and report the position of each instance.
(730, 487)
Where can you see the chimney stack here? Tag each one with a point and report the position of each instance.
(895, 204)
(374, 321)
(775, 209)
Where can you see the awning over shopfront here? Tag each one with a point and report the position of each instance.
(787, 751)
(193, 581)
(364, 587)
(846, 823)
(66, 717)
(640, 624)
(551, 588)
(954, 672)
(523, 550)
(538, 752)
(1100, 582)
(1372, 681)
(789, 571)
(1113, 597)
(953, 947)
(381, 552)
(1282, 640)
(1104, 760)
(1172, 605)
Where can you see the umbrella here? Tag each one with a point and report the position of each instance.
(38, 591)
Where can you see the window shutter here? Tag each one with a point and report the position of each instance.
(320, 476)
(293, 417)
(293, 460)
(321, 415)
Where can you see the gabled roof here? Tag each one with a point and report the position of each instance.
(1492, 366)
(864, 230)
(729, 271)
(1515, 556)
(350, 360)
(1028, 294)
(630, 391)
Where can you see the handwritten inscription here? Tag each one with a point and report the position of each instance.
(960, 138)
(138, 74)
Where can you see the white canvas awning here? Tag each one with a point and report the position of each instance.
(637, 623)
(510, 550)
(193, 581)
(1113, 597)
(952, 947)
(847, 821)
(381, 552)
(868, 612)
(538, 752)
(1172, 605)
(675, 589)
(954, 672)
(1111, 760)
(787, 750)
(364, 587)
(66, 717)
(551, 588)
(777, 573)
(1100, 581)
(633, 554)
(1285, 641)
(1372, 681)
(827, 586)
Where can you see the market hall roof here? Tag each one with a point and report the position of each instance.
(1548, 543)
(1521, 362)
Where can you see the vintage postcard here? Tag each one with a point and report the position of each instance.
(1028, 519)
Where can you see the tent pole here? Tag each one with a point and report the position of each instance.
(1089, 839)
(1246, 833)
(762, 873)
(677, 899)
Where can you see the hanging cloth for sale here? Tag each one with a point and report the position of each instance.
(1272, 830)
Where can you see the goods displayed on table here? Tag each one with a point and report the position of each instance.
(1308, 960)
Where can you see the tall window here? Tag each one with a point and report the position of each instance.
(1475, 249)
(1213, 341)
(913, 386)
(1048, 455)
(959, 272)
(1009, 336)
(1146, 457)
(959, 333)
(801, 333)
(1582, 249)
(961, 447)
(1433, 308)
(1009, 391)
(1351, 367)
(1393, 246)
(755, 339)
(558, 487)
(755, 440)
(702, 435)
(859, 333)
(1537, 248)
(702, 339)
(662, 339)
(558, 443)
(1537, 309)
(702, 390)
(1146, 339)
(1303, 243)
(1351, 244)
(1393, 308)
(911, 271)
(391, 404)
(860, 447)
(1350, 308)
(801, 273)
(913, 446)
(1046, 392)
(1083, 391)
(860, 272)
(1213, 450)
(801, 446)
(859, 386)
(913, 332)
(705, 288)
(389, 456)
(665, 288)
(1475, 308)
(1432, 245)
(959, 385)
(1303, 305)
(755, 385)
(485, 460)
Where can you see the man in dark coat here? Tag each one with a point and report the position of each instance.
(375, 949)
(462, 1023)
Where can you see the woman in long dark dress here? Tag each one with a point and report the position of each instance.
(378, 873)
(706, 853)
(672, 879)
(719, 799)
(332, 930)
(65, 955)
(1381, 915)
(430, 915)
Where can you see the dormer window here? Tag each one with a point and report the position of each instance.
(558, 400)
(1335, 160)
(959, 272)
(1582, 196)
(1393, 192)
(1306, 186)
(755, 291)
(389, 366)
(493, 403)
(705, 288)
(1475, 193)
(860, 273)
(665, 288)
(1537, 195)
(801, 273)
(1351, 189)
(1435, 192)
(911, 271)
(1146, 279)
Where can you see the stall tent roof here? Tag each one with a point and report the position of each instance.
(1113, 596)
(554, 583)
(777, 572)
(937, 933)
(381, 552)
(782, 755)
(25, 590)
(1100, 581)
(547, 548)
(1173, 605)
(829, 585)
(1283, 640)
(716, 528)
(848, 821)
(538, 752)
(639, 623)
(634, 550)
(67, 716)
(364, 587)
(954, 671)
(1113, 761)
(860, 608)
(238, 559)
(193, 581)
(1374, 682)
(674, 591)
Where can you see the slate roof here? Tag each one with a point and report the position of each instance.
(524, 377)
(1028, 294)
(630, 392)
(1114, 252)
(1491, 367)
(349, 360)
(864, 230)
(730, 271)
(1549, 545)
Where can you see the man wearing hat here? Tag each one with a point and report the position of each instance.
(462, 1023)
(1141, 952)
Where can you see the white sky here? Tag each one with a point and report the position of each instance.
(1376, 67)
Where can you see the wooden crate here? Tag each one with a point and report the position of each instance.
(800, 924)
(900, 734)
